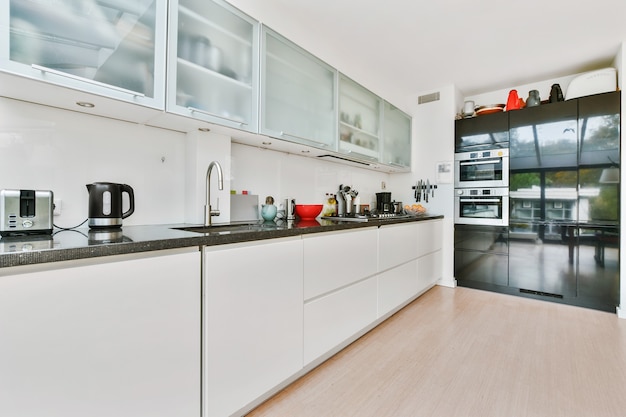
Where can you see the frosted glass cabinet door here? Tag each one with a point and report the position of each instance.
(397, 138)
(359, 120)
(113, 48)
(298, 94)
(213, 63)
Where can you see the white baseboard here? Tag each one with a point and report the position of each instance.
(450, 283)
(621, 313)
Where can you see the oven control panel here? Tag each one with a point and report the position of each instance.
(482, 192)
(495, 153)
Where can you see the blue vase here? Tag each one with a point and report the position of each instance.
(268, 211)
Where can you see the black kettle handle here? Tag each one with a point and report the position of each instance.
(131, 196)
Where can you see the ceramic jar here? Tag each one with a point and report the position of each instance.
(556, 94)
(533, 98)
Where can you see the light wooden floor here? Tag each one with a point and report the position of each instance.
(471, 353)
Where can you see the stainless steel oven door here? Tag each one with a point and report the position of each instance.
(482, 169)
(482, 206)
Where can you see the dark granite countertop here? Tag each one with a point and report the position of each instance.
(67, 245)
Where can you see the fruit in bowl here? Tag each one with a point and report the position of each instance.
(415, 209)
(308, 211)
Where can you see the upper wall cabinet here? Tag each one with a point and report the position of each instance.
(397, 138)
(544, 136)
(599, 128)
(111, 48)
(488, 131)
(298, 94)
(360, 113)
(213, 63)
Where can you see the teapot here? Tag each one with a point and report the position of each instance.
(268, 210)
(105, 204)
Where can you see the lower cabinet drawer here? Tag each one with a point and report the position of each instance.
(333, 318)
(428, 270)
(396, 286)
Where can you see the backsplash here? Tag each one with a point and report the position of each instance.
(281, 175)
(60, 150)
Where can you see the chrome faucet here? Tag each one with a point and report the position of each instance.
(220, 184)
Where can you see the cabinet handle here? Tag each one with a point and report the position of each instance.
(195, 110)
(480, 200)
(483, 162)
(301, 138)
(87, 80)
(395, 164)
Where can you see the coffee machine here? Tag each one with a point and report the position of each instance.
(384, 204)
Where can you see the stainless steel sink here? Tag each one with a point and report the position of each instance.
(229, 227)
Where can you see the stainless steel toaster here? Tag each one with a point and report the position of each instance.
(26, 212)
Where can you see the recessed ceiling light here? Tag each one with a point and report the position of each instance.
(85, 104)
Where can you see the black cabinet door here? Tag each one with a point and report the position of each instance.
(544, 136)
(598, 266)
(481, 255)
(599, 128)
(489, 131)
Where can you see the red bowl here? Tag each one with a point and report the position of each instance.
(308, 211)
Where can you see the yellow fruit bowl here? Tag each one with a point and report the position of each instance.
(416, 209)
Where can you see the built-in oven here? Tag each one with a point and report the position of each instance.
(482, 206)
(487, 168)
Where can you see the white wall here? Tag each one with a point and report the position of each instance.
(500, 96)
(201, 148)
(59, 150)
(264, 172)
(433, 143)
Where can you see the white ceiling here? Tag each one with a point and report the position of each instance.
(405, 47)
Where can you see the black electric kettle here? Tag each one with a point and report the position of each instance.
(105, 204)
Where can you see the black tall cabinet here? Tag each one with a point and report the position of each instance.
(563, 235)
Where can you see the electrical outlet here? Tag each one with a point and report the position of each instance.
(383, 185)
(58, 205)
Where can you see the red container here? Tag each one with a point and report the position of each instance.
(308, 211)
(513, 102)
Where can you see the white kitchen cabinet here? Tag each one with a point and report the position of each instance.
(334, 260)
(335, 317)
(396, 286)
(360, 126)
(298, 94)
(213, 63)
(429, 236)
(116, 336)
(428, 270)
(409, 262)
(397, 138)
(339, 287)
(402, 242)
(110, 48)
(398, 243)
(253, 313)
